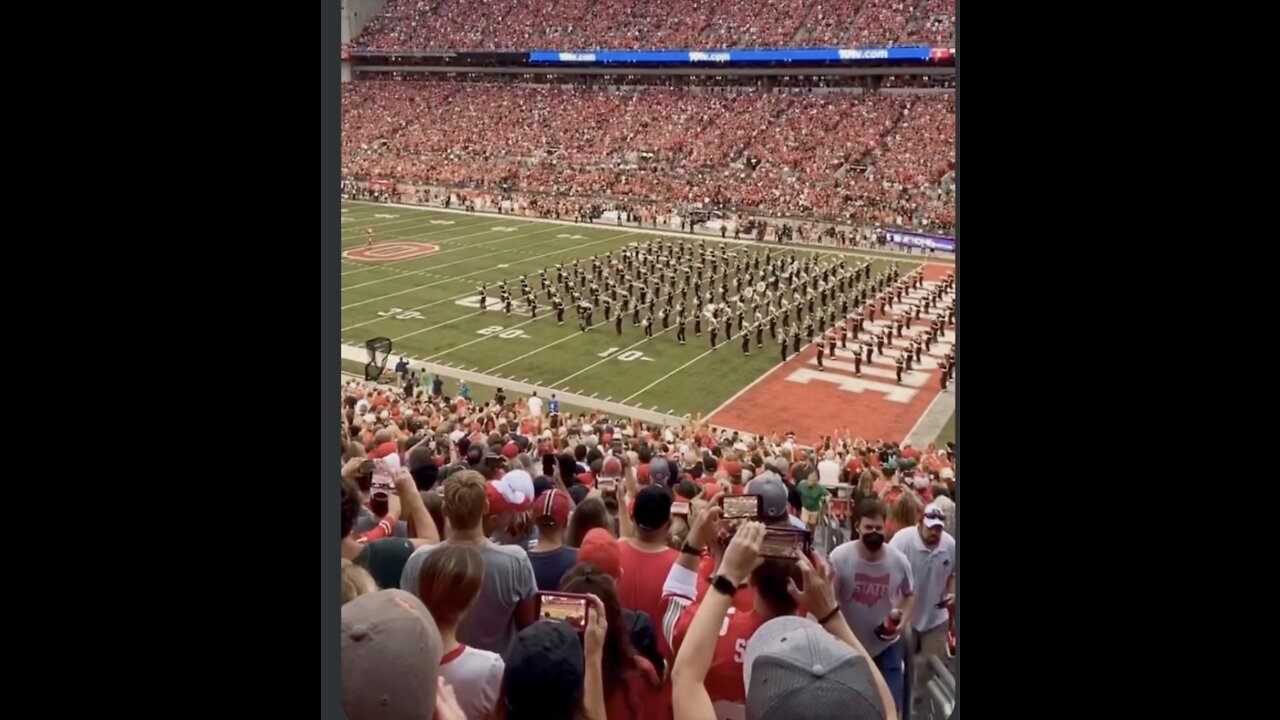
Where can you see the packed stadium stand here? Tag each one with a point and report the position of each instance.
(472, 527)
(654, 24)
(779, 153)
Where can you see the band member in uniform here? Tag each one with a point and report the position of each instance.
(899, 362)
(936, 327)
(697, 324)
(759, 334)
(945, 367)
(617, 322)
(484, 298)
(844, 337)
(635, 315)
(906, 354)
(506, 303)
(773, 327)
(746, 343)
(714, 327)
(831, 345)
(368, 238)
(857, 364)
(558, 304)
(808, 329)
(818, 342)
(608, 308)
(666, 317)
(918, 347)
(728, 326)
(879, 344)
(533, 306)
(648, 326)
(782, 343)
(680, 322)
(795, 338)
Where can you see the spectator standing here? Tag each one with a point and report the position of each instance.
(931, 550)
(874, 585)
(506, 602)
(448, 585)
(550, 557)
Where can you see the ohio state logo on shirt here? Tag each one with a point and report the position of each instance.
(870, 589)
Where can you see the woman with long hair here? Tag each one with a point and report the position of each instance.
(590, 513)
(905, 514)
(448, 585)
(632, 687)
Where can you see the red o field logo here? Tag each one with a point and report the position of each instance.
(391, 251)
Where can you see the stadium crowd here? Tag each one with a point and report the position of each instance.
(655, 24)
(459, 515)
(877, 159)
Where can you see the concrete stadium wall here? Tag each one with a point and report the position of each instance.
(356, 14)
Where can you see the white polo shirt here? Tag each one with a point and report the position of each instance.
(930, 568)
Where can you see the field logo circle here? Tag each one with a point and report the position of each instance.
(390, 251)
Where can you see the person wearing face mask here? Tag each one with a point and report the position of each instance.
(876, 591)
(931, 550)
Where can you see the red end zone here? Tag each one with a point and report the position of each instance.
(390, 251)
(797, 397)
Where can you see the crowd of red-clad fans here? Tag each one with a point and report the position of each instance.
(656, 24)
(876, 159)
(502, 560)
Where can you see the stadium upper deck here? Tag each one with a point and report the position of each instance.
(656, 24)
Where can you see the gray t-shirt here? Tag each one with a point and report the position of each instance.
(508, 579)
(867, 591)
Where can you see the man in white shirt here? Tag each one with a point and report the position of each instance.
(931, 550)
(535, 405)
(829, 469)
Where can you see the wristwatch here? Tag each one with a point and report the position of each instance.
(688, 549)
(724, 585)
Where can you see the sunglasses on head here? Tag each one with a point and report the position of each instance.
(935, 515)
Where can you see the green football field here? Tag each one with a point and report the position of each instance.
(427, 305)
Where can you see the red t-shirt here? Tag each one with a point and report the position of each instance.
(643, 574)
(641, 697)
(724, 679)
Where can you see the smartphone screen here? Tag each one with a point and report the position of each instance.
(785, 543)
(607, 485)
(737, 507)
(680, 508)
(382, 477)
(564, 607)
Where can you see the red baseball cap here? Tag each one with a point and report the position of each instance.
(552, 508)
(510, 450)
(601, 549)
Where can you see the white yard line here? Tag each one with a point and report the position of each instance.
(427, 237)
(820, 249)
(437, 267)
(437, 254)
(358, 354)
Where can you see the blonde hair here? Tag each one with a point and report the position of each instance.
(905, 512)
(464, 499)
(449, 582)
(356, 581)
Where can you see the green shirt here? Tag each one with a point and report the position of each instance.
(811, 497)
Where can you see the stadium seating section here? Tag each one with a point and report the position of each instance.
(655, 24)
